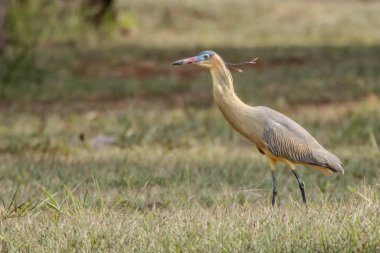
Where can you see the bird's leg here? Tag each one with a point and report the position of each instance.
(275, 190)
(272, 164)
(301, 185)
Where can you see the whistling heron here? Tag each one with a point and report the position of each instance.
(276, 136)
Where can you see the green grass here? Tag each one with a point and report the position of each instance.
(181, 181)
(178, 178)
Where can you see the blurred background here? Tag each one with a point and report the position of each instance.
(88, 86)
(93, 49)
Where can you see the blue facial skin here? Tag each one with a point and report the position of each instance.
(205, 55)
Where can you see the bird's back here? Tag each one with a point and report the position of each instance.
(284, 138)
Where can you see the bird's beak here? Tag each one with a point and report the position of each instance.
(186, 61)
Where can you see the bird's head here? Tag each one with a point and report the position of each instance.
(209, 59)
(204, 59)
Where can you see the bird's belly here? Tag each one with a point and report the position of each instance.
(287, 161)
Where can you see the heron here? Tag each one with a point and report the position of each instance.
(275, 135)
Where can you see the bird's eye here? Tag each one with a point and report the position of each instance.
(206, 56)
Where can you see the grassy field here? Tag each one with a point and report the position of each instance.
(176, 177)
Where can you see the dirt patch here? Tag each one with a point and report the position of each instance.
(137, 70)
(98, 103)
(149, 68)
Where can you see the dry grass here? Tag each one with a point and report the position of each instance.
(342, 226)
(177, 182)
(177, 178)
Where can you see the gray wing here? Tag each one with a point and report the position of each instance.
(283, 142)
(285, 138)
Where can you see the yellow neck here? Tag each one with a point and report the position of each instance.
(242, 117)
(223, 88)
(233, 109)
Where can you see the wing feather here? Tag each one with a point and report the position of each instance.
(285, 138)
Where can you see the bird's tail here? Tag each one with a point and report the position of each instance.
(330, 162)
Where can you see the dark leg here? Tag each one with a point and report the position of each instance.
(301, 185)
(275, 190)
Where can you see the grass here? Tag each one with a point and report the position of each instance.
(177, 178)
(178, 181)
(243, 228)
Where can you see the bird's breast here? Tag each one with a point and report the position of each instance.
(244, 123)
(242, 117)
